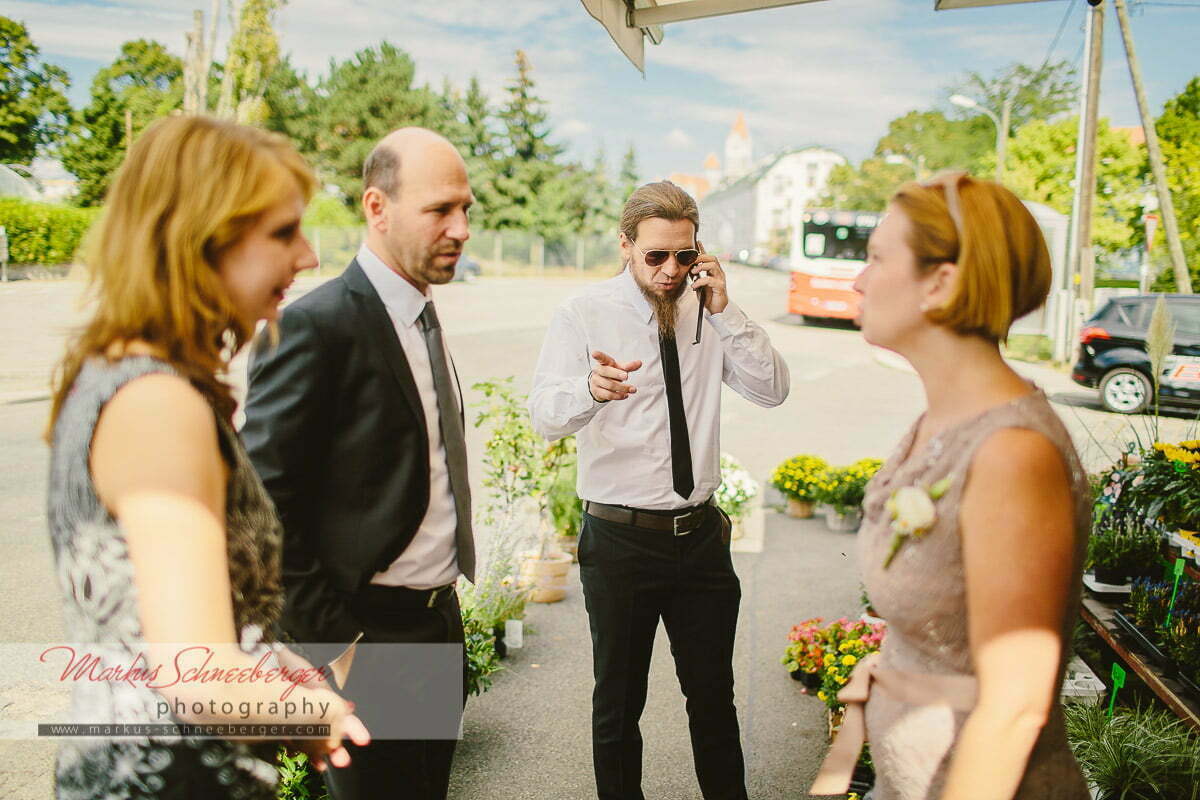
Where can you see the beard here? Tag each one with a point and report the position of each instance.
(665, 307)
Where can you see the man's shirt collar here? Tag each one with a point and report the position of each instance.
(399, 296)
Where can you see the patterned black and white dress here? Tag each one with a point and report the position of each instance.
(100, 609)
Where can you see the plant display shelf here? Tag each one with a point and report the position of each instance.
(1189, 567)
(1099, 616)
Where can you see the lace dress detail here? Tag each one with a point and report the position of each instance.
(95, 577)
(927, 629)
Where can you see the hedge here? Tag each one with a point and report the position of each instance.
(41, 233)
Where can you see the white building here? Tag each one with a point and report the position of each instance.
(750, 217)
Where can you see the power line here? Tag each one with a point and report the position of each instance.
(1062, 26)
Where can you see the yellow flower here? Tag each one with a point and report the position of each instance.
(821, 694)
(849, 661)
(841, 680)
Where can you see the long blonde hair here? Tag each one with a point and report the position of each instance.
(188, 190)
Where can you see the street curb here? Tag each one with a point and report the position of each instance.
(13, 398)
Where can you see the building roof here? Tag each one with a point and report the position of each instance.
(712, 162)
(695, 185)
(739, 127)
(1136, 133)
(763, 167)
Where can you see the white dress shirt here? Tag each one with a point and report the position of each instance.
(625, 445)
(431, 559)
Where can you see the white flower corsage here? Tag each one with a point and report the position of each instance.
(913, 513)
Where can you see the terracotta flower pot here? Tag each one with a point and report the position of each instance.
(800, 509)
(546, 577)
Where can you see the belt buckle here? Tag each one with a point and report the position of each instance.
(433, 594)
(675, 525)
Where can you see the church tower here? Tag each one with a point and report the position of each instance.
(739, 150)
(712, 170)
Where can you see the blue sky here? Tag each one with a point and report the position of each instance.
(831, 73)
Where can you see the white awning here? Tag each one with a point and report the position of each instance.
(946, 5)
(630, 22)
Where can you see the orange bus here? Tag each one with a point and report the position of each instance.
(829, 249)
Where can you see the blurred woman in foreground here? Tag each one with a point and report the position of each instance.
(162, 531)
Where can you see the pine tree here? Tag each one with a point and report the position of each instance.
(533, 191)
(628, 180)
(363, 99)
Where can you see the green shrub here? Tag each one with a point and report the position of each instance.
(41, 233)
(480, 645)
(297, 779)
(1139, 754)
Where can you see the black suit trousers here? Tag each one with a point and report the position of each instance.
(391, 768)
(632, 578)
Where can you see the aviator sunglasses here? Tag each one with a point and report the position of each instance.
(656, 258)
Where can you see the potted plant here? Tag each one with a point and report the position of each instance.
(805, 653)
(798, 479)
(845, 642)
(1166, 485)
(1137, 754)
(843, 489)
(479, 647)
(562, 503)
(735, 493)
(519, 469)
(1122, 546)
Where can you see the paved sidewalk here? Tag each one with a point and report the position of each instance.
(529, 737)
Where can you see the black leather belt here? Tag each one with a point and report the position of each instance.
(680, 522)
(406, 597)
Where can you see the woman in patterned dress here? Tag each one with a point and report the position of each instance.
(975, 529)
(162, 532)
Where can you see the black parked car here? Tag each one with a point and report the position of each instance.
(1112, 353)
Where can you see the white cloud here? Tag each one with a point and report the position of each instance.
(679, 139)
(574, 127)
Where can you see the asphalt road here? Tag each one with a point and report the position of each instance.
(529, 736)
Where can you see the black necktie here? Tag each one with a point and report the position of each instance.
(452, 438)
(681, 450)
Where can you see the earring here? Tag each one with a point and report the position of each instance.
(923, 307)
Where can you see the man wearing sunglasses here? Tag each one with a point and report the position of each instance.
(623, 368)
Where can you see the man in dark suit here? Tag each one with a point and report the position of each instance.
(354, 421)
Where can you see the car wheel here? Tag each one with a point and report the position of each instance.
(1126, 391)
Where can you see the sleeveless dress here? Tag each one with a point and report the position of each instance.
(922, 595)
(95, 577)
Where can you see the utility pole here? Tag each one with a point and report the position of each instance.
(1002, 137)
(1183, 280)
(1086, 176)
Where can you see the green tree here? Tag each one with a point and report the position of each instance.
(363, 99)
(292, 106)
(252, 56)
(477, 141)
(145, 80)
(931, 142)
(1037, 93)
(534, 192)
(34, 112)
(1041, 167)
(628, 179)
(865, 188)
(1179, 134)
(602, 201)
